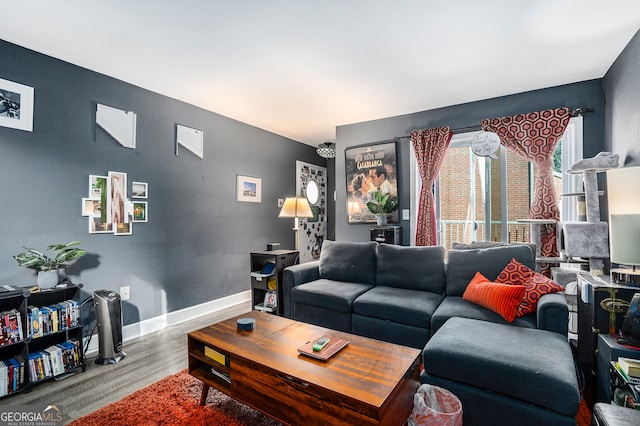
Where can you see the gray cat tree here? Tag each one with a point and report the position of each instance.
(586, 241)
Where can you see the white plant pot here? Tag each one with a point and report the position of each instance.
(47, 278)
(381, 219)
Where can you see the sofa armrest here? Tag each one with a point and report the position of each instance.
(553, 313)
(295, 275)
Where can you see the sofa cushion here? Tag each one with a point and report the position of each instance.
(502, 299)
(526, 364)
(462, 265)
(417, 268)
(455, 306)
(536, 285)
(333, 295)
(404, 306)
(348, 261)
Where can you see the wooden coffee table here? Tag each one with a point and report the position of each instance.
(367, 382)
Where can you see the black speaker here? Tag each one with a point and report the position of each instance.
(109, 318)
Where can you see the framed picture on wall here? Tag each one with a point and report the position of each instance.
(139, 190)
(116, 197)
(140, 211)
(369, 168)
(16, 105)
(96, 226)
(248, 189)
(91, 207)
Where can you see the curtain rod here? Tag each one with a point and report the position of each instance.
(575, 113)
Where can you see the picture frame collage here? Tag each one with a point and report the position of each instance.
(107, 207)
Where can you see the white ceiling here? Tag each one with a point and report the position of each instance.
(299, 68)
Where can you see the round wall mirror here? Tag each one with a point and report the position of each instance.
(313, 192)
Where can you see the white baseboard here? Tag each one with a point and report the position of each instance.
(235, 304)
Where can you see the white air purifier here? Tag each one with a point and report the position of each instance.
(109, 318)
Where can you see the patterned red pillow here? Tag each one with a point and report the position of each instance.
(500, 298)
(536, 285)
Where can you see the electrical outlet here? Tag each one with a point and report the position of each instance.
(405, 214)
(124, 293)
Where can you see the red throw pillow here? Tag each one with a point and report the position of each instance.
(500, 298)
(536, 285)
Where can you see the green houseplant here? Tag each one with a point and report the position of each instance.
(381, 206)
(47, 266)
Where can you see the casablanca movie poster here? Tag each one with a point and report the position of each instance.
(369, 168)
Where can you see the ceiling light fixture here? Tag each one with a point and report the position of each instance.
(326, 150)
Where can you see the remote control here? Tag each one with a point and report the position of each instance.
(321, 343)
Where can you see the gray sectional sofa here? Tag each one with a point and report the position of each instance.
(503, 373)
(403, 294)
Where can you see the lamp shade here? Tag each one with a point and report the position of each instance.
(625, 238)
(296, 207)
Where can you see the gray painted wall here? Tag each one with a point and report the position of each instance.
(195, 247)
(586, 94)
(622, 100)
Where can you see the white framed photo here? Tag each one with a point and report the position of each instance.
(96, 226)
(91, 207)
(116, 197)
(139, 190)
(140, 213)
(248, 189)
(123, 228)
(16, 105)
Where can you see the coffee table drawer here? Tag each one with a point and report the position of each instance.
(296, 402)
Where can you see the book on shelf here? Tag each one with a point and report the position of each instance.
(630, 379)
(631, 367)
(334, 346)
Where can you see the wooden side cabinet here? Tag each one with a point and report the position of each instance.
(269, 284)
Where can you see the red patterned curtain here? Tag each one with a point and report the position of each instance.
(534, 136)
(430, 146)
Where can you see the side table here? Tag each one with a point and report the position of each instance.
(609, 350)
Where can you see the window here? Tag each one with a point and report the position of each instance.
(481, 199)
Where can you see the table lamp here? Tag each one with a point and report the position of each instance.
(623, 196)
(624, 234)
(296, 207)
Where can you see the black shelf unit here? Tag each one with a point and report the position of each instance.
(260, 285)
(21, 299)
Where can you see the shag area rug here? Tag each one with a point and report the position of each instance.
(175, 401)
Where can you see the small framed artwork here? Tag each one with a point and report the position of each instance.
(139, 190)
(270, 299)
(97, 186)
(192, 139)
(96, 226)
(122, 228)
(116, 197)
(16, 105)
(248, 189)
(91, 207)
(140, 211)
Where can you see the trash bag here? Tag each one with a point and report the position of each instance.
(433, 405)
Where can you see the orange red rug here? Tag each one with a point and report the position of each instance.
(175, 401)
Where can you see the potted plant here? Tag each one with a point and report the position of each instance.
(381, 206)
(47, 266)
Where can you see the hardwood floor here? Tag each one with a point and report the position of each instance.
(149, 359)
